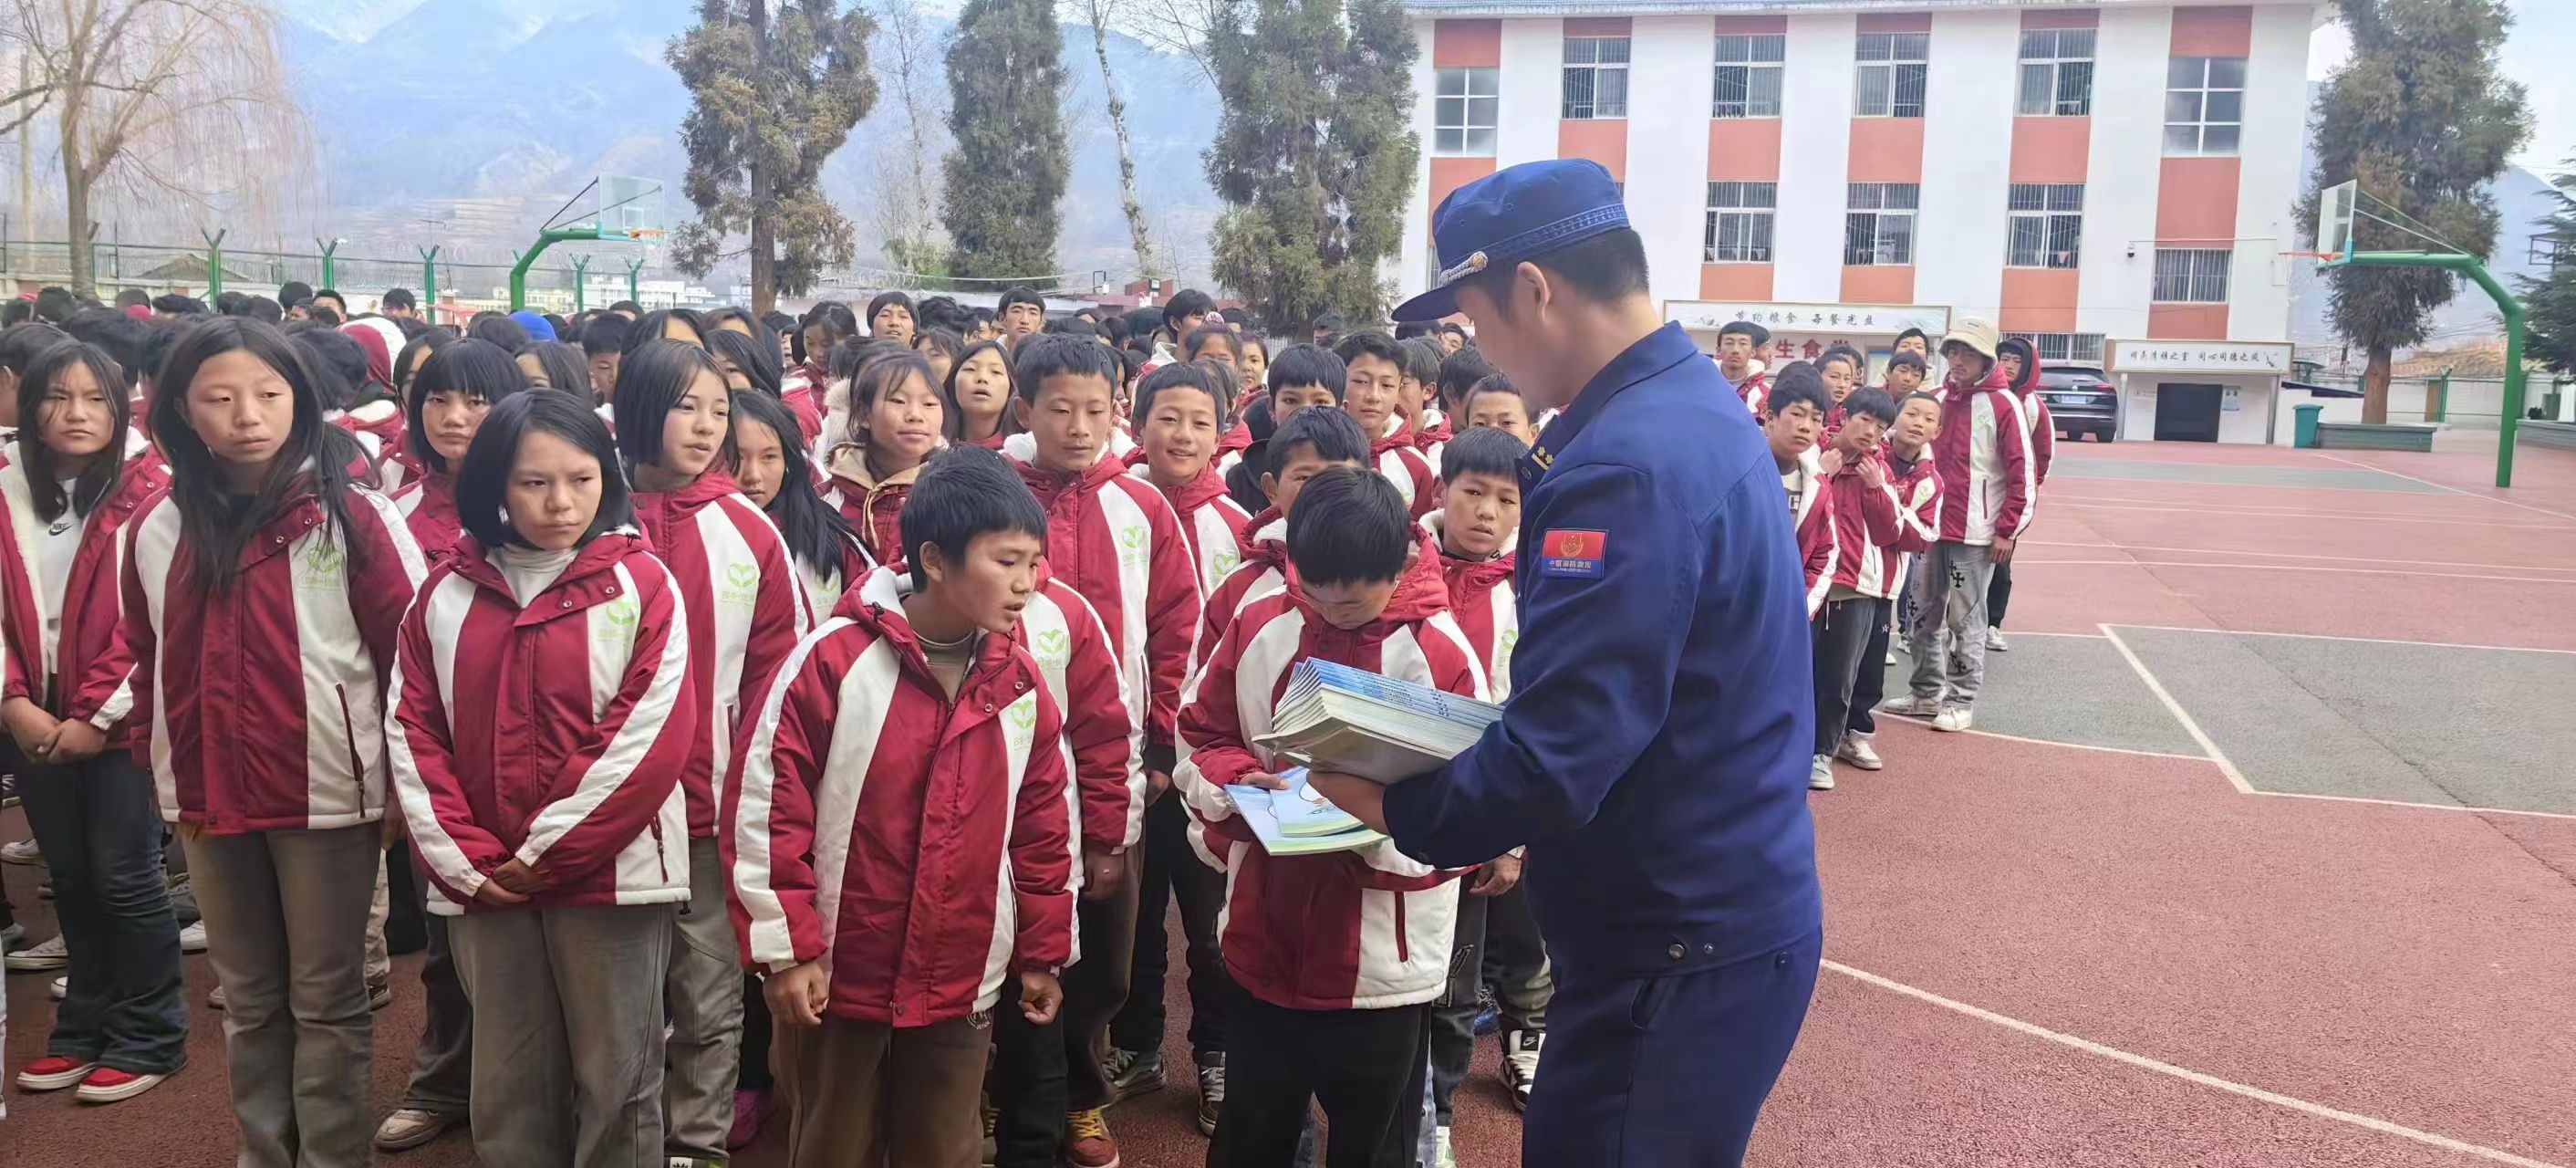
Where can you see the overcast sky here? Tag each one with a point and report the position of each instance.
(2544, 40)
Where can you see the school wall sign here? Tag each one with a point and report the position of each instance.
(2246, 358)
(1863, 320)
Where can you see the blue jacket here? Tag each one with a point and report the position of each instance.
(1655, 751)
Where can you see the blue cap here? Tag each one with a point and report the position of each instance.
(1514, 214)
(539, 328)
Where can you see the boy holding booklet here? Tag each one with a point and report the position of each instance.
(1307, 445)
(1335, 958)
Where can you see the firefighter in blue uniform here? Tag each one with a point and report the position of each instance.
(1655, 750)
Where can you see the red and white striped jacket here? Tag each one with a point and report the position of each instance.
(917, 846)
(2043, 432)
(1483, 602)
(1212, 523)
(874, 508)
(1365, 929)
(378, 427)
(1756, 392)
(746, 608)
(1983, 457)
(1811, 510)
(1403, 463)
(1112, 538)
(266, 704)
(825, 584)
(49, 652)
(1264, 570)
(1103, 741)
(551, 730)
(428, 507)
(1875, 529)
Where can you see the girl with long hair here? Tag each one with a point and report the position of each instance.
(774, 472)
(751, 364)
(896, 424)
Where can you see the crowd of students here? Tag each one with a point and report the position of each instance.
(902, 659)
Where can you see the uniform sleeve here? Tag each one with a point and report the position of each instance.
(1212, 751)
(1041, 850)
(1098, 731)
(767, 844)
(2043, 439)
(780, 615)
(456, 852)
(1426, 481)
(1592, 676)
(1876, 511)
(382, 577)
(1918, 517)
(2012, 452)
(1818, 549)
(1171, 616)
(118, 683)
(616, 781)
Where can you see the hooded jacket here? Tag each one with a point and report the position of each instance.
(1212, 523)
(1483, 602)
(1103, 740)
(49, 648)
(1264, 570)
(873, 506)
(428, 507)
(1402, 462)
(1982, 456)
(2034, 412)
(378, 426)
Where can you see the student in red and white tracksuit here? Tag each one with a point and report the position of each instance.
(1866, 529)
(1336, 957)
(1312, 441)
(263, 594)
(1372, 395)
(74, 474)
(1907, 451)
(543, 710)
(1739, 351)
(896, 423)
(901, 864)
(2021, 373)
(446, 402)
(746, 608)
(1988, 490)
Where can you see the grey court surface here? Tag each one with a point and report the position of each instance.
(2312, 715)
(2340, 478)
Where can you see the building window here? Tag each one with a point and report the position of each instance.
(1596, 77)
(2071, 348)
(2057, 72)
(2047, 225)
(2191, 275)
(1893, 71)
(1739, 222)
(1748, 75)
(1463, 113)
(2204, 105)
(1879, 229)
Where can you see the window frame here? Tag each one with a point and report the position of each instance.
(1466, 98)
(1892, 61)
(1867, 244)
(2058, 212)
(2204, 276)
(2069, 347)
(2204, 95)
(1595, 67)
(1753, 65)
(2054, 64)
(1751, 212)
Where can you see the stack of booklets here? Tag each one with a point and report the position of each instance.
(1337, 718)
(1298, 821)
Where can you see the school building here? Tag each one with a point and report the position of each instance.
(2112, 180)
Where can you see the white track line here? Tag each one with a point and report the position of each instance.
(2336, 516)
(1926, 723)
(2186, 1074)
(2149, 547)
(2331, 637)
(2235, 778)
(2444, 486)
(2138, 563)
(2418, 806)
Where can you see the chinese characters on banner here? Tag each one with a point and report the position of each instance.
(2261, 358)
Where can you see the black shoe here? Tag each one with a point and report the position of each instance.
(1132, 1072)
(1211, 1089)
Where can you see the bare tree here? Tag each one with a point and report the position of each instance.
(1099, 14)
(1177, 26)
(909, 63)
(174, 100)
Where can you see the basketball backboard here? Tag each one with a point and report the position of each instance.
(2334, 222)
(620, 208)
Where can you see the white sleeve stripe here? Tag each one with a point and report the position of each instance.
(634, 738)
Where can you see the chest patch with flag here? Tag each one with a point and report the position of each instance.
(1572, 553)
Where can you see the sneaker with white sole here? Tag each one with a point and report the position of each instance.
(53, 1073)
(1995, 642)
(60, 988)
(1910, 706)
(49, 953)
(193, 938)
(1442, 1155)
(1857, 751)
(1520, 1064)
(1820, 776)
(22, 852)
(1955, 719)
(380, 995)
(215, 997)
(1891, 658)
(109, 1085)
(410, 1127)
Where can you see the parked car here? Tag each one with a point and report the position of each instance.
(2080, 401)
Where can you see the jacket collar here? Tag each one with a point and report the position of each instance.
(589, 579)
(877, 605)
(1652, 354)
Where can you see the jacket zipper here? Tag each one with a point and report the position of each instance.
(1403, 947)
(349, 729)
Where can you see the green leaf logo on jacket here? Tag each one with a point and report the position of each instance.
(321, 567)
(742, 585)
(1131, 546)
(1020, 722)
(1054, 648)
(617, 619)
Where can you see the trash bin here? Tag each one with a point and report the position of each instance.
(2303, 432)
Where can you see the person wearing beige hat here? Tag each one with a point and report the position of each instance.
(1982, 455)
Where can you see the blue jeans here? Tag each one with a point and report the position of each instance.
(101, 834)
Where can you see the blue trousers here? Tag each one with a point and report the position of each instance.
(1667, 1071)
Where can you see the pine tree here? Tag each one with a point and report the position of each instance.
(775, 86)
(2549, 304)
(1315, 156)
(1008, 171)
(2422, 116)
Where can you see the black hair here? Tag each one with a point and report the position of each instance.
(1482, 450)
(949, 344)
(2029, 361)
(152, 350)
(472, 366)
(1862, 401)
(20, 344)
(650, 383)
(1915, 395)
(1329, 322)
(1088, 312)
(1187, 302)
(1608, 266)
(1143, 322)
(397, 298)
(1332, 435)
(1304, 364)
(1421, 363)
(1496, 382)
(211, 521)
(714, 319)
(1019, 294)
(109, 329)
(879, 304)
(484, 479)
(16, 312)
(1906, 359)
(320, 315)
(1206, 377)
(1459, 373)
(177, 305)
(96, 480)
(1069, 326)
(943, 312)
(55, 305)
(137, 298)
(814, 530)
(879, 376)
(1243, 480)
(338, 365)
(1350, 347)
(1451, 326)
(1207, 334)
(1010, 423)
(411, 326)
(747, 354)
(778, 322)
(846, 358)
(1859, 364)
(831, 315)
(262, 309)
(1235, 315)
(978, 317)
(334, 294)
(627, 306)
(1406, 330)
(964, 493)
(566, 367)
(431, 340)
(648, 328)
(1350, 526)
(1760, 336)
(229, 303)
(605, 333)
(1798, 381)
(498, 328)
(294, 292)
(1049, 355)
(1114, 326)
(1131, 365)
(1917, 334)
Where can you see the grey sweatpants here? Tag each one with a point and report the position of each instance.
(704, 991)
(567, 1034)
(286, 922)
(1949, 650)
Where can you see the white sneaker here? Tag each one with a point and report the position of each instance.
(60, 988)
(1820, 777)
(215, 997)
(1520, 1064)
(1857, 751)
(22, 852)
(1443, 1156)
(49, 953)
(1891, 657)
(1910, 706)
(381, 995)
(1995, 641)
(1954, 719)
(193, 938)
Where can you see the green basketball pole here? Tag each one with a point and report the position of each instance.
(2506, 306)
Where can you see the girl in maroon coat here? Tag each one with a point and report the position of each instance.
(455, 388)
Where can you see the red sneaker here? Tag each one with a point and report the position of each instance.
(1086, 1141)
(108, 1085)
(53, 1073)
(750, 1110)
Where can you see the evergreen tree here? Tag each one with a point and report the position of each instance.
(1315, 156)
(2422, 116)
(775, 86)
(2549, 304)
(1008, 171)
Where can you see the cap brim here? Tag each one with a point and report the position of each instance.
(1431, 305)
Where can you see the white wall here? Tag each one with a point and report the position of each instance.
(1967, 150)
(1671, 80)
(1815, 158)
(2122, 165)
(2276, 70)
(1533, 88)
(1413, 261)
(2245, 424)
